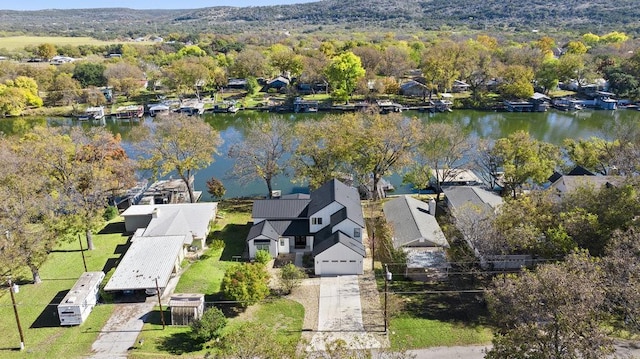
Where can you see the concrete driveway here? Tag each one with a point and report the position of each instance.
(340, 315)
(121, 331)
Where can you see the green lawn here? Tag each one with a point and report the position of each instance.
(408, 333)
(44, 338)
(19, 42)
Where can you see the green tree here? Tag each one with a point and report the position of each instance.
(90, 74)
(547, 75)
(215, 188)
(245, 283)
(12, 101)
(64, 90)
(263, 257)
(46, 51)
(594, 154)
(343, 73)
(517, 82)
(208, 327)
(252, 86)
(182, 145)
(262, 155)
(291, 277)
(576, 47)
(285, 61)
(552, 312)
(523, 159)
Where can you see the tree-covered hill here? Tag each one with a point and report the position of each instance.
(512, 15)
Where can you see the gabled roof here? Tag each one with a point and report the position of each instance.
(571, 183)
(411, 84)
(282, 208)
(336, 191)
(263, 228)
(412, 223)
(175, 219)
(336, 238)
(459, 196)
(146, 259)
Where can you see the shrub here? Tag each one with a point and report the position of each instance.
(110, 213)
(217, 244)
(209, 326)
(246, 283)
(291, 277)
(263, 257)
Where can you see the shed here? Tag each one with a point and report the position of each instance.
(83, 296)
(186, 307)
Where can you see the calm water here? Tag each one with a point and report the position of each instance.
(550, 126)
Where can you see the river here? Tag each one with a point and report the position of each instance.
(551, 126)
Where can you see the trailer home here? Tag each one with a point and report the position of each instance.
(83, 296)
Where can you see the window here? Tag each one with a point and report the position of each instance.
(281, 242)
(316, 220)
(262, 244)
(356, 233)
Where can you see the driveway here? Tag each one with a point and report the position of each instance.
(121, 331)
(340, 315)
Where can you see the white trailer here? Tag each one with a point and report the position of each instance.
(78, 303)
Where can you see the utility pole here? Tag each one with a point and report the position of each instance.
(15, 311)
(84, 261)
(387, 278)
(160, 304)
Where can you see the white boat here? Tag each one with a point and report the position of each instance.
(92, 113)
(158, 110)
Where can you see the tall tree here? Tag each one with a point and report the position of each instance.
(90, 74)
(552, 312)
(180, 144)
(263, 153)
(594, 154)
(517, 82)
(522, 159)
(64, 90)
(343, 73)
(125, 78)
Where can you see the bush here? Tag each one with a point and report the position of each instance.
(217, 244)
(291, 277)
(110, 213)
(246, 283)
(209, 326)
(263, 257)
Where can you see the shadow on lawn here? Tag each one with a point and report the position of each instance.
(177, 343)
(113, 227)
(234, 236)
(49, 316)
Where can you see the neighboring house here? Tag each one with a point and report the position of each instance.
(237, 84)
(417, 232)
(328, 223)
(458, 197)
(278, 83)
(454, 177)
(163, 235)
(413, 88)
(567, 183)
(459, 86)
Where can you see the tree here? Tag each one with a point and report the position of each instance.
(523, 158)
(262, 155)
(343, 73)
(547, 75)
(323, 150)
(291, 277)
(215, 188)
(552, 312)
(182, 145)
(124, 77)
(381, 145)
(440, 150)
(285, 61)
(90, 74)
(64, 90)
(192, 74)
(438, 64)
(246, 283)
(248, 63)
(263, 257)
(594, 154)
(46, 51)
(208, 327)
(516, 82)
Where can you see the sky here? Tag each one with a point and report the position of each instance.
(137, 4)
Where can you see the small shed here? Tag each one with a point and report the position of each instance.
(186, 307)
(83, 296)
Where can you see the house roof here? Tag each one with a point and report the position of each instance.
(263, 228)
(336, 191)
(339, 238)
(281, 79)
(146, 259)
(411, 84)
(459, 196)
(571, 183)
(456, 175)
(282, 208)
(176, 219)
(412, 223)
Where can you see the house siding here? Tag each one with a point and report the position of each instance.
(338, 260)
(325, 214)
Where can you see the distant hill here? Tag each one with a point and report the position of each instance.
(396, 15)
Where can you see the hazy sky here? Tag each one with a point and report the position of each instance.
(136, 4)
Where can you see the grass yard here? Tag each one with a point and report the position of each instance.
(285, 316)
(409, 333)
(19, 42)
(44, 338)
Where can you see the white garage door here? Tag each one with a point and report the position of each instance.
(340, 267)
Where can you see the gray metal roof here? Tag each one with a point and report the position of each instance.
(335, 238)
(336, 191)
(263, 228)
(176, 219)
(85, 286)
(146, 259)
(461, 196)
(412, 224)
(280, 208)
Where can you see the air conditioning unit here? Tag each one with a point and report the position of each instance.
(276, 193)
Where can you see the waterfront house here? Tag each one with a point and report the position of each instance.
(328, 224)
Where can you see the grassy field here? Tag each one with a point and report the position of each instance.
(44, 338)
(19, 42)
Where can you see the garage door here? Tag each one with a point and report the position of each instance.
(340, 267)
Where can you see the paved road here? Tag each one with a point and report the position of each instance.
(340, 315)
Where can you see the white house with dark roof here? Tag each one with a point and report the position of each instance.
(328, 223)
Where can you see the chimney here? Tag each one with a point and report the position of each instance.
(155, 212)
(432, 207)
